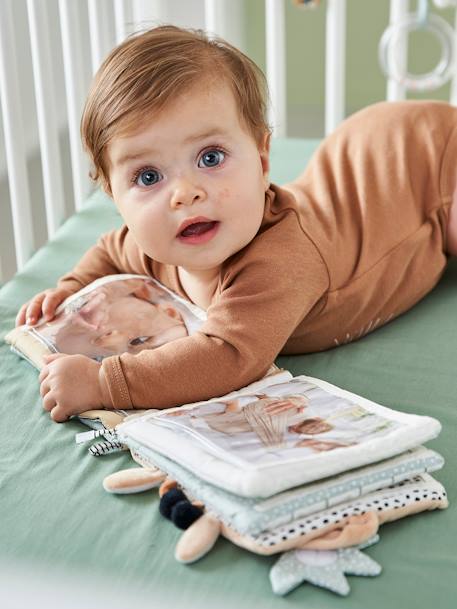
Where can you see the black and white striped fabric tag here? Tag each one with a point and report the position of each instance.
(106, 447)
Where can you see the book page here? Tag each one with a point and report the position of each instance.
(288, 421)
(115, 315)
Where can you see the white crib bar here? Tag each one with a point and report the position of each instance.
(76, 88)
(214, 16)
(122, 19)
(101, 39)
(276, 65)
(335, 64)
(149, 13)
(453, 93)
(16, 157)
(48, 128)
(398, 11)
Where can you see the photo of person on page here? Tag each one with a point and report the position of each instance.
(287, 421)
(117, 317)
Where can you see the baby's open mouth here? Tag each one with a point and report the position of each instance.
(197, 229)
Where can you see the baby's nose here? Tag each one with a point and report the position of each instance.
(186, 192)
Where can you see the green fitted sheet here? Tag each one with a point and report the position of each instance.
(55, 517)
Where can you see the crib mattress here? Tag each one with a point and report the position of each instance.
(57, 521)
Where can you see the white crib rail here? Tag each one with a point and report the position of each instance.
(102, 31)
(122, 17)
(48, 128)
(89, 28)
(276, 65)
(335, 64)
(453, 95)
(14, 138)
(398, 11)
(76, 85)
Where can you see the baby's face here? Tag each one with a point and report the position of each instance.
(132, 324)
(192, 162)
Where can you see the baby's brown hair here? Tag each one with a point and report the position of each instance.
(146, 71)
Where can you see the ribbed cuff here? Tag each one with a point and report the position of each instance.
(114, 381)
(106, 396)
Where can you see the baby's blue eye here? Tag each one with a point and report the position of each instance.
(149, 177)
(212, 158)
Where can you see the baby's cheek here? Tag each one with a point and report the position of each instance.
(224, 193)
(152, 241)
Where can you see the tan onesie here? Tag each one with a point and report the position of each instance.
(353, 242)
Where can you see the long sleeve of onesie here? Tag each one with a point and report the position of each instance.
(265, 291)
(114, 252)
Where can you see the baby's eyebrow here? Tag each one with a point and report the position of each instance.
(212, 132)
(126, 158)
(134, 156)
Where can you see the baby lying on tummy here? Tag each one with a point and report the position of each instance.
(175, 127)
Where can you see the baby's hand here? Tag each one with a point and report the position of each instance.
(45, 303)
(61, 388)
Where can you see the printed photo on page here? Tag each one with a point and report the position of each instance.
(117, 315)
(286, 421)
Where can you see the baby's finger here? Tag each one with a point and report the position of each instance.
(20, 317)
(43, 373)
(49, 401)
(50, 304)
(58, 414)
(44, 389)
(33, 312)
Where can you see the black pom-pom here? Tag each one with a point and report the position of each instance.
(183, 514)
(169, 500)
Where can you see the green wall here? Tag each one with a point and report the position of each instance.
(365, 83)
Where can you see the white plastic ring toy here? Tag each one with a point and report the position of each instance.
(444, 3)
(388, 56)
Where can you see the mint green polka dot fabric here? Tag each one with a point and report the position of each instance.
(325, 569)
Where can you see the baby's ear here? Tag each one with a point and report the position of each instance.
(264, 151)
(106, 187)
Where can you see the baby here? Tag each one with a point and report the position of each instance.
(175, 127)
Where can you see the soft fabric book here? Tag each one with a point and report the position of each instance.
(278, 433)
(112, 315)
(252, 515)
